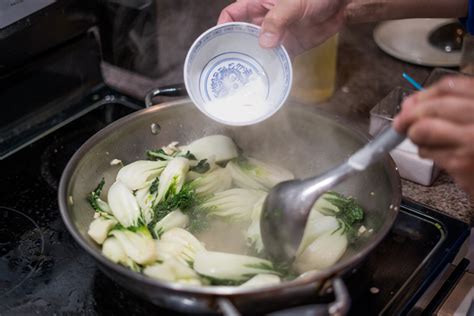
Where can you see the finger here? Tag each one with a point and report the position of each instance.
(258, 9)
(451, 108)
(441, 157)
(268, 4)
(277, 21)
(461, 86)
(237, 11)
(437, 132)
(320, 32)
(405, 118)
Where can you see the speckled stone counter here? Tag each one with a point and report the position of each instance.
(444, 195)
(365, 75)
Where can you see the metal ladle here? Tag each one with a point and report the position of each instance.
(287, 206)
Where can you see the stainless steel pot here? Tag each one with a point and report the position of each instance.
(302, 140)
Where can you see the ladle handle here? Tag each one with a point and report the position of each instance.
(376, 149)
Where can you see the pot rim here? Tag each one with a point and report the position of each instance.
(227, 291)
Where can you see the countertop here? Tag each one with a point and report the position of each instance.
(365, 75)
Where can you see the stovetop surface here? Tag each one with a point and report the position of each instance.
(43, 271)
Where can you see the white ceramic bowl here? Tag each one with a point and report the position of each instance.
(227, 62)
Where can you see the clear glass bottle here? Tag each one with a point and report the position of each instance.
(314, 73)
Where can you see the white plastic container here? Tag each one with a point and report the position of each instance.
(410, 165)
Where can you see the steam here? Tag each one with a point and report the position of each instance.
(296, 139)
(225, 237)
(132, 27)
(153, 37)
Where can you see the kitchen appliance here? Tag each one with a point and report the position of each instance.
(56, 98)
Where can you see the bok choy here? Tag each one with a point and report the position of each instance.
(179, 244)
(174, 271)
(137, 244)
(322, 253)
(100, 228)
(140, 174)
(254, 174)
(233, 204)
(124, 205)
(225, 268)
(254, 238)
(146, 199)
(174, 219)
(262, 280)
(172, 179)
(221, 147)
(216, 181)
(113, 250)
(317, 225)
(96, 202)
(191, 214)
(344, 209)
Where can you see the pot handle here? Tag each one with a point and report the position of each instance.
(176, 90)
(339, 307)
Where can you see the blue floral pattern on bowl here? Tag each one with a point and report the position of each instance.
(227, 73)
(227, 79)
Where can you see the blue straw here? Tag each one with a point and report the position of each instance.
(413, 82)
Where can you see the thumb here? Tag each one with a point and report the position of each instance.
(278, 20)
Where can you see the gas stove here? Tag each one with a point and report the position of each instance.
(43, 271)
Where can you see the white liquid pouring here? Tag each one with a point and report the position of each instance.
(246, 104)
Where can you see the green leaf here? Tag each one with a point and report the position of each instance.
(94, 197)
(202, 167)
(184, 200)
(158, 154)
(349, 214)
(261, 266)
(222, 282)
(154, 185)
(157, 233)
(188, 155)
(188, 202)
